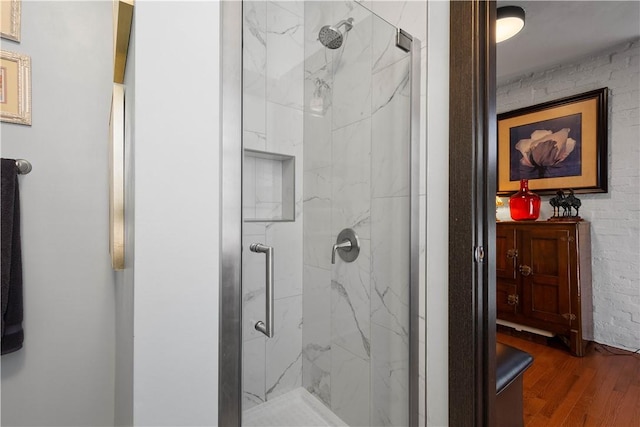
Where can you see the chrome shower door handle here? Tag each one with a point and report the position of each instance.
(267, 326)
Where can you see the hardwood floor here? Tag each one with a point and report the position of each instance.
(599, 389)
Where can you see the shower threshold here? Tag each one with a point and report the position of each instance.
(297, 408)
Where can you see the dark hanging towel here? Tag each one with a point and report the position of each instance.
(11, 261)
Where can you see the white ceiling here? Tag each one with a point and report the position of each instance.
(560, 32)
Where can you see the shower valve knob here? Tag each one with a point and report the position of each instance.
(347, 245)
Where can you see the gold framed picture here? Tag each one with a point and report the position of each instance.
(116, 178)
(122, 18)
(15, 88)
(557, 145)
(10, 19)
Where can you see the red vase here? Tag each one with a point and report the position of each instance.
(524, 205)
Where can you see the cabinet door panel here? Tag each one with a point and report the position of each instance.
(506, 253)
(545, 253)
(546, 289)
(507, 299)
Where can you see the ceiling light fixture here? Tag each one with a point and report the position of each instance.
(510, 22)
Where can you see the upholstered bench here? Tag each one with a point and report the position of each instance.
(510, 365)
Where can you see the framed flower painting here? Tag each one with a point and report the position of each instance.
(15, 88)
(560, 144)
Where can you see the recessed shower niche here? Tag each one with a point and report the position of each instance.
(269, 189)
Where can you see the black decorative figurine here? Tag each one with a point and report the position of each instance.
(567, 204)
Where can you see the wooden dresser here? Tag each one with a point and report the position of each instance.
(543, 272)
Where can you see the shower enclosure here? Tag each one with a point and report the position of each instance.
(328, 290)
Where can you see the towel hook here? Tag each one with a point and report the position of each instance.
(24, 167)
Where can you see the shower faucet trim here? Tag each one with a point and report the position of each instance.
(347, 245)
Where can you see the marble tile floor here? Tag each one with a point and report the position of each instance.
(295, 409)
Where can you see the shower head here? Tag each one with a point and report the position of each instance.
(331, 37)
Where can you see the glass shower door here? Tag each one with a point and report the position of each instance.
(327, 142)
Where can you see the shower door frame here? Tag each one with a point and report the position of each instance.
(231, 217)
(230, 309)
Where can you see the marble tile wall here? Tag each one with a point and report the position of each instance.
(356, 315)
(262, 196)
(317, 207)
(411, 16)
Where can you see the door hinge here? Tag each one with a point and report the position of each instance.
(478, 254)
(569, 316)
(512, 299)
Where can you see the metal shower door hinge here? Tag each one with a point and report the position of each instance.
(478, 254)
(403, 40)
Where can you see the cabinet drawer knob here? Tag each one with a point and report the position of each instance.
(525, 270)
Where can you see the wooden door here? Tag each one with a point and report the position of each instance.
(544, 268)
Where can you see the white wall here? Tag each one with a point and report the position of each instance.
(124, 287)
(614, 216)
(176, 156)
(64, 374)
(437, 217)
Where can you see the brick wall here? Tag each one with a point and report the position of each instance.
(614, 216)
